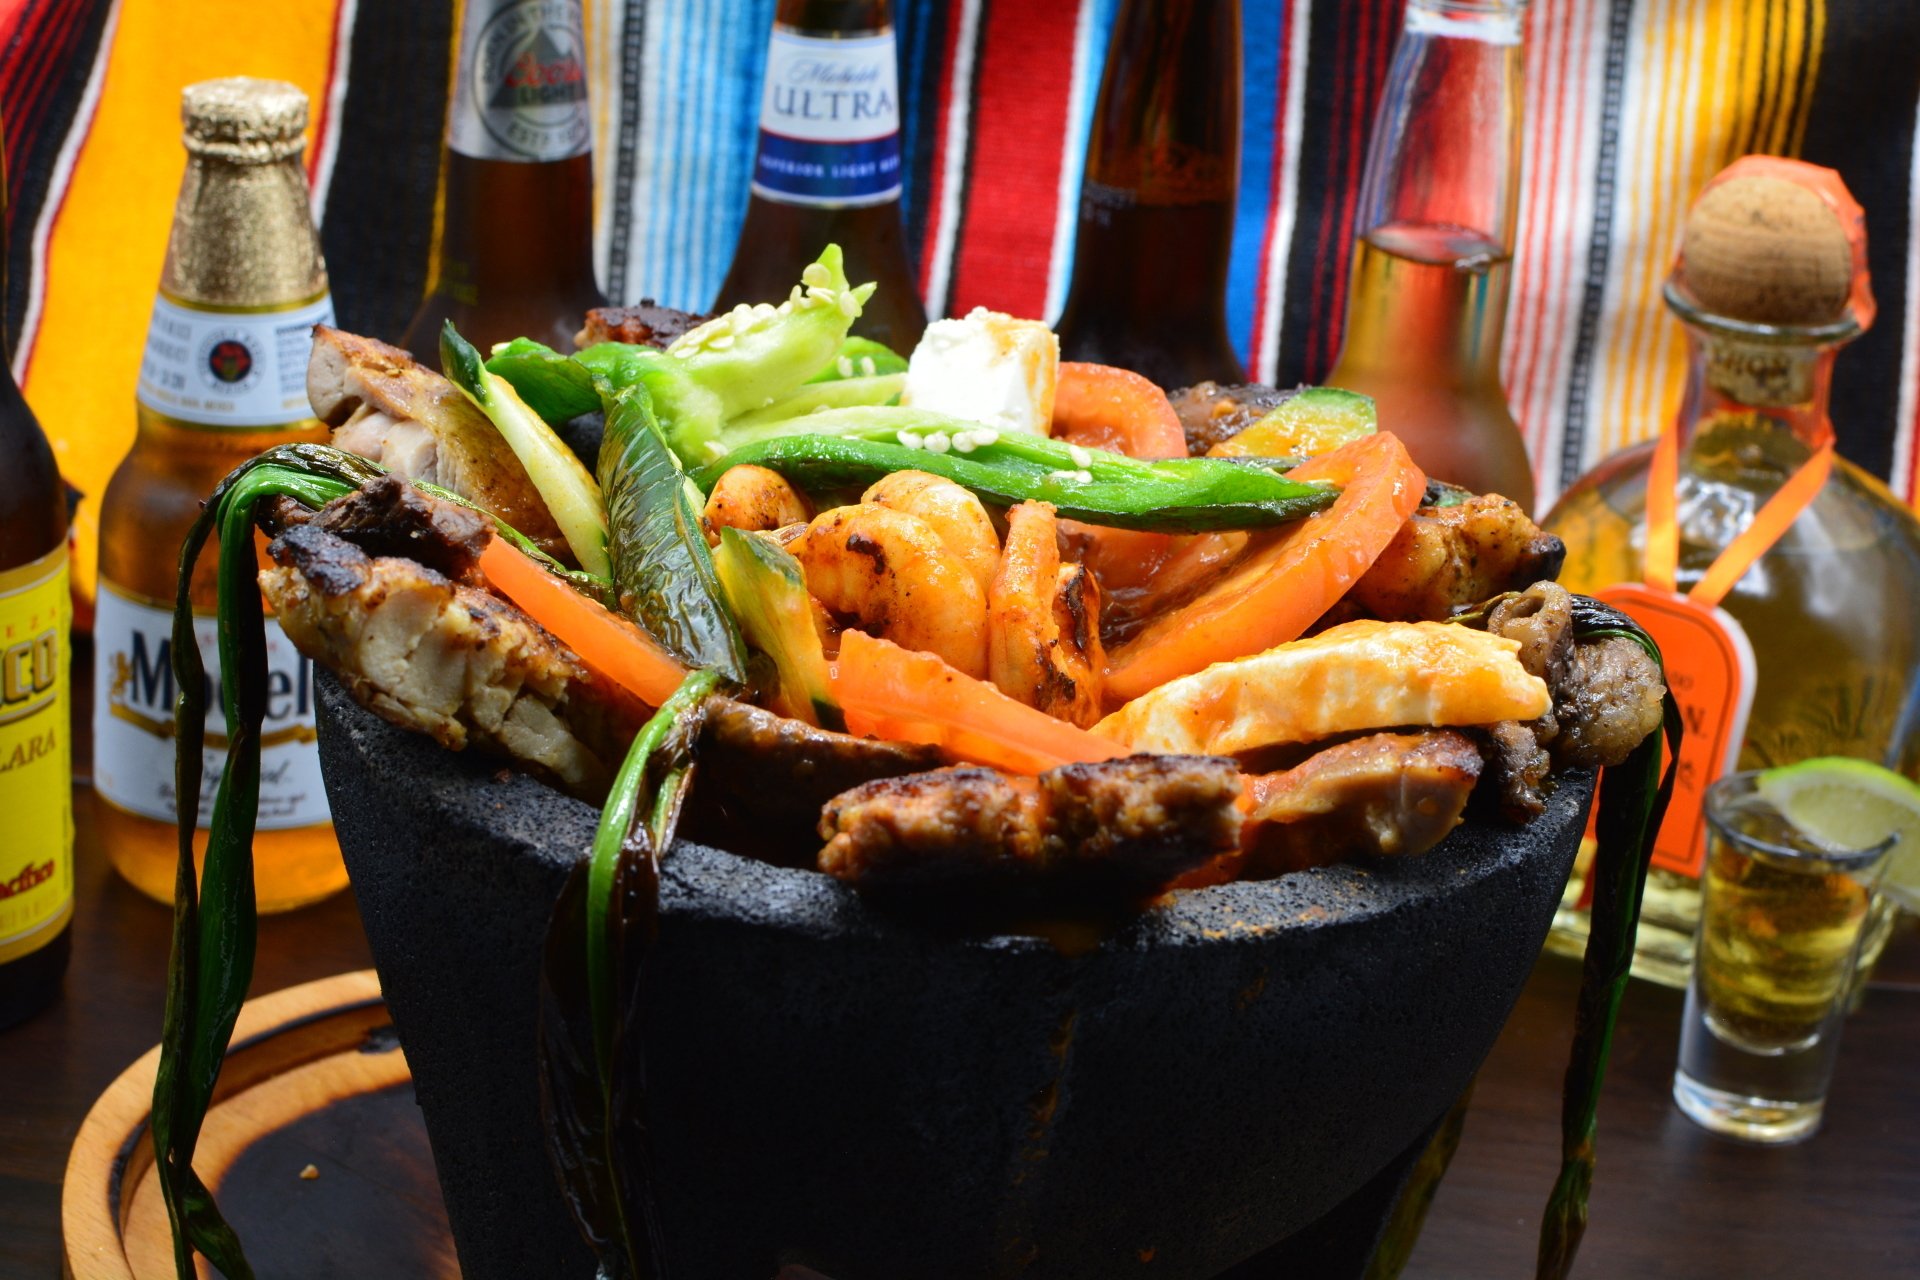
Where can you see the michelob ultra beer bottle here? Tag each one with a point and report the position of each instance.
(828, 167)
(223, 377)
(514, 251)
(1155, 232)
(36, 778)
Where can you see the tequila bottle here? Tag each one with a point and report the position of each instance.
(1768, 294)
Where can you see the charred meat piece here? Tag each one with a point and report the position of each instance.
(1610, 700)
(763, 777)
(648, 324)
(386, 407)
(1515, 777)
(1446, 557)
(1387, 793)
(1210, 413)
(389, 517)
(1114, 831)
(449, 660)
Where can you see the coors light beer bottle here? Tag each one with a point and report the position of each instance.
(36, 779)
(224, 377)
(828, 168)
(1149, 284)
(514, 253)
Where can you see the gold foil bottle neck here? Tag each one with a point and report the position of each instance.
(243, 235)
(244, 120)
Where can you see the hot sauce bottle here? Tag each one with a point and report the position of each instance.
(1782, 581)
(223, 377)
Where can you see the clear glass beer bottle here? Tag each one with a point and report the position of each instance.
(223, 377)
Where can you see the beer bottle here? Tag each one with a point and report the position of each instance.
(514, 251)
(36, 779)
(1433, 245)
(828, 167)
(1149, 284)
(223, 377)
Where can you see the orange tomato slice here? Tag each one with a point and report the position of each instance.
(610, 645)
(1097, 406)
(1291, 576)
(908, 696)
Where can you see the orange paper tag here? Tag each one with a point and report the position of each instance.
(1710, 669)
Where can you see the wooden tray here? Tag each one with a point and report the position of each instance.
(314, 1084)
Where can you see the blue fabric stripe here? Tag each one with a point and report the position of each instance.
(1080, 120)
(1260, 121)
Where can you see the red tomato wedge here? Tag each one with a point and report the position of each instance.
(610, 645)
(1099, 407)
(1289, 578)
(908, 696)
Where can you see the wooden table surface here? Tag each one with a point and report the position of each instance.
(1671, 1201)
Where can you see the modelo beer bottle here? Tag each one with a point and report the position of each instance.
(828, 166)
(1150, 256)
(1433, 245)
(36, 775)
(514, 251)
(223, 377)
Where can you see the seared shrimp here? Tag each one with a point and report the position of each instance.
(894, 575)
(951, 511)
(1043, 622)
(749, 497)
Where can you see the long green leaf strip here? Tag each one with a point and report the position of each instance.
(1633, 801)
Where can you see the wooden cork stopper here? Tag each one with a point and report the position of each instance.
(1766, 250)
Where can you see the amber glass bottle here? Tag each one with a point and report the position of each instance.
(36, 786)
(223, 377)
(1155, 234)
(828, 167)
(513, 253)
(1433, 245)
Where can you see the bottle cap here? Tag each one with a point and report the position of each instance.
(1776, 242)
(244, 120)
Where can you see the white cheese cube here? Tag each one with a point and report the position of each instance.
(988, 368)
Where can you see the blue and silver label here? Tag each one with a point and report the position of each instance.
(829, 120)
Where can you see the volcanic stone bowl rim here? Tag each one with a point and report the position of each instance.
(702, 879)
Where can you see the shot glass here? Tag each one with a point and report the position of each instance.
(1781, 920)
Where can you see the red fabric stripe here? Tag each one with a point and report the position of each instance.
(1264, 302)
(1023, 72)
(937, 189)
(323, 116)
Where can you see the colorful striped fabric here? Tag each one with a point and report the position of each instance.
(1630, 106)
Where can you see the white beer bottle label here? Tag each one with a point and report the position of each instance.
(520, 91)
(218, 368)
(829, 119)
(133, 696)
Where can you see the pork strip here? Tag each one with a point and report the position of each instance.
(649, 324)
(1444, 558)
(1387, 793)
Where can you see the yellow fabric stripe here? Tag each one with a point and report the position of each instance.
(104, 254)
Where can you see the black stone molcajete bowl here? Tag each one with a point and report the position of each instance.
(834, 1086)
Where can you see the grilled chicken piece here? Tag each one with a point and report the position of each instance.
(1447, 557)
(648, 324)
(1389, 793)
(386, 407)
(452, 661)
(1210, 413)
(763, 778)
(1115, 831)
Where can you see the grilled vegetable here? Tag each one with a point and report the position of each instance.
(768, 595)
(569, 492)
(814, 398)
(851, 448)
(1097, 406)
(862, 358)
(662, 574)
(1317, 420)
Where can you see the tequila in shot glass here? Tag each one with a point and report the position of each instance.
(1780, 928)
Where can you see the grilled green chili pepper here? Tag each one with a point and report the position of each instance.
(1174, 495)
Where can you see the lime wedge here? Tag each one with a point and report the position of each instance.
(1853, 804)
